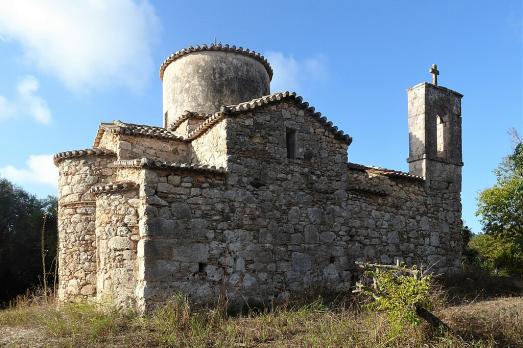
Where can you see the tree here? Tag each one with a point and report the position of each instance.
(21, 217)
(501, 206)
(497, 254)
(501, 210)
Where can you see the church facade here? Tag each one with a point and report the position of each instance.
(250, 195)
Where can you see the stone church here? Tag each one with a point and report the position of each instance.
(250, 195)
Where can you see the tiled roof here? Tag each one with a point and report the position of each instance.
(186, 115)
(216, 47)
(119, 127)
(383, 171)
(114, 187)
(150, 163)
(210, 120)
(79, 153)
(266, 100)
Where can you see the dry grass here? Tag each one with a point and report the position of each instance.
(470, 305)
(499, 320)
(493, 323)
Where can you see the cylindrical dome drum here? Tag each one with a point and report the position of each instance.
(201, 79)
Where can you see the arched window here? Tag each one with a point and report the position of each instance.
(441, 135)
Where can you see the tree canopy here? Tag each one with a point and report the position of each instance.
(501, 206)
(500, 247)
(21, 223)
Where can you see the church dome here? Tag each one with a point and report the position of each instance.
(203, 78)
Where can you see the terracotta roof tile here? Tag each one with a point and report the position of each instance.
(266, 100)
(216, 47)
(119, 127)
(210, 120)
(80, 153)
(383, 171)
(185, 116)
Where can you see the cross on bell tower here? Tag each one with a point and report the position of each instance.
(435, 72)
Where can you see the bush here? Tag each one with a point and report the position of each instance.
(398, 291)
(496, 254)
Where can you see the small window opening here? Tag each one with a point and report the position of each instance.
(332, 259)
(307, 156)
(441, 131)
(165, 119)
(290, 137)
(257, 183)
(201, 267)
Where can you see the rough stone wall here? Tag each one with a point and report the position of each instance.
(76, 224)
(184, 246)
(160, 149)
(298, 215)
(399, 219)
(296, 211)
(131, 147)
(264, 228)
(109, 141)
(210, 148)
(274, 226)
(265, 231)
(256, 143)
(117, 236)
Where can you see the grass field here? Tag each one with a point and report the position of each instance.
(479, 313)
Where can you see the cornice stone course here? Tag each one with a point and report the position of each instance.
(114, 187)
(154, 164)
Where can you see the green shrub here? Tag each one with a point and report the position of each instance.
(500, 208)
(399, 292)
(497, 254)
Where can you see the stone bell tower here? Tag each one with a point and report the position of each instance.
(435, 134)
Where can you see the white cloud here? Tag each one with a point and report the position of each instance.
(6, 109)
(26, 103)
(293, 74)
(40, 169)
(85, 44)
(34, 105)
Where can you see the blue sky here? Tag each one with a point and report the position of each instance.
(66, 66)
